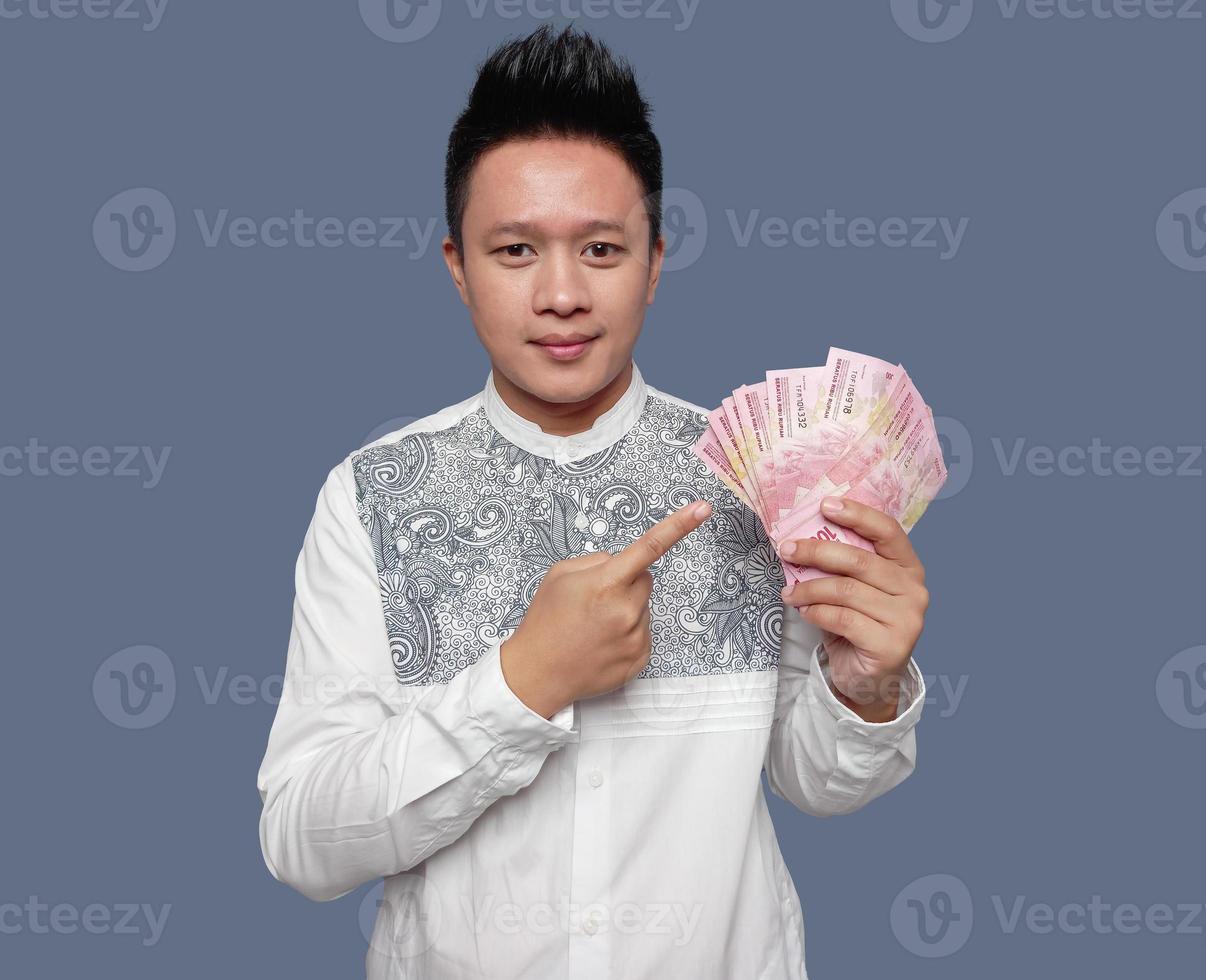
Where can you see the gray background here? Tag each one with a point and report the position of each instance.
(1070, 767)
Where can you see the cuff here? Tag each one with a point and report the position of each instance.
(912, 698)
(500, 709)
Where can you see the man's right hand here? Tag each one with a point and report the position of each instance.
(587, 631)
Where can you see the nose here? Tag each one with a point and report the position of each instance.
(560, 284)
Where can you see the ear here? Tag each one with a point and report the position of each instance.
(456, 267)
(655, 266)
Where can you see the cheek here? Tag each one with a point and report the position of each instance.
(499, 305)
(623, 294)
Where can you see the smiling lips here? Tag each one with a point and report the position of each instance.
(564, 346)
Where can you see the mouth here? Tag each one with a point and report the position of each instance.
(564, 347)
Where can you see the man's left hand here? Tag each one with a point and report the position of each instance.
(871, 610)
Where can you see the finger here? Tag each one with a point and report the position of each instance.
(860, 630)
(847, 559)
(881, 529)
(650, 546)
(841, 590)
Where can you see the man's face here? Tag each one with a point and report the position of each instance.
(556, 241)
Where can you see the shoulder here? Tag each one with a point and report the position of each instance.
(389, 449)
(674, 402)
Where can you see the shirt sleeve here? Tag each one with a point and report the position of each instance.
(364, 777)
(822, 757)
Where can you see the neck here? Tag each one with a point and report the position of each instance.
(563, 418)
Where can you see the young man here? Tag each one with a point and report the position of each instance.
(526, 683)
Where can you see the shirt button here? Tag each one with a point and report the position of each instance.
(591, 925)
(596, 777)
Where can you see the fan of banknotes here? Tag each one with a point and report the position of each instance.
(855, 428)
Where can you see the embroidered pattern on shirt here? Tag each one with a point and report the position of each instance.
(464, 525)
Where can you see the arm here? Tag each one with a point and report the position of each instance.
(822, 757)
(364, 777)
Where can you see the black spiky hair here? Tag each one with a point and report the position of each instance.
(543, 85)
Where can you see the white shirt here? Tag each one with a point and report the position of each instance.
(628, 835)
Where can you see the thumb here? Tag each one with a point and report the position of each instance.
(587, 560)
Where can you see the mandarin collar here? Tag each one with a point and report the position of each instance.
(609, 428)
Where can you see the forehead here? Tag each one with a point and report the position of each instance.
(556, 183)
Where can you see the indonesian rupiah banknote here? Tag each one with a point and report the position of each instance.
(855, 427)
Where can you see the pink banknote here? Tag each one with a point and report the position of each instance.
(855, 427)
(838, 400)
(895, 466)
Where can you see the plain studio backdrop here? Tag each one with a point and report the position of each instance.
(1008, 198)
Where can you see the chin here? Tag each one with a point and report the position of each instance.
(570, 381)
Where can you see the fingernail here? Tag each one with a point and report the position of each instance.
(701, 509)
(788, 549)
(831, 505)
(785, 591)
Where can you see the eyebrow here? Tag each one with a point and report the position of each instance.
(529, 228)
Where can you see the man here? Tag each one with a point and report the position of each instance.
(527, 683)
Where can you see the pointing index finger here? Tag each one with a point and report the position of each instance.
(659, 539)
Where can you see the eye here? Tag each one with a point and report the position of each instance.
(596, 255)
(510, 254)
